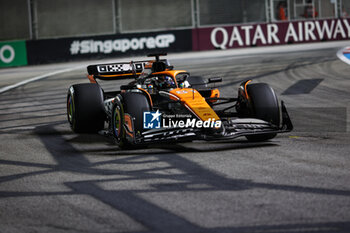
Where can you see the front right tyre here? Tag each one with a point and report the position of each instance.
(264, 105)
(85, 108)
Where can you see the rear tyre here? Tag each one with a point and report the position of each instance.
(85, 108)
(264, 104)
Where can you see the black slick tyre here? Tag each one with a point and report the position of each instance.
(85, 108)
(117, 124)
(264, 104)
(135, 104)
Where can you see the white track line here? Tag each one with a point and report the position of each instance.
(40, 77)
(342, 57)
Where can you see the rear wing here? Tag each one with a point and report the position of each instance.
(117, 70)
(121, 70)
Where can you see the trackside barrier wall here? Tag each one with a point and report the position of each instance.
(18, 53)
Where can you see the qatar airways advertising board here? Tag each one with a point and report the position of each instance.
(266, 34)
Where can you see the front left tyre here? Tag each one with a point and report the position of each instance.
(133, 104)
(85, 108)
(117, 124)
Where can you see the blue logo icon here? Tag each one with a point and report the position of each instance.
(151, 120)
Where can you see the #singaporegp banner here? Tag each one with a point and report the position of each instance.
(267, 34)
(118, 45)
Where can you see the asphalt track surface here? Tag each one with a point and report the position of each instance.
(52, 180)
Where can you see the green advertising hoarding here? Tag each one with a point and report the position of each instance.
(13, 53)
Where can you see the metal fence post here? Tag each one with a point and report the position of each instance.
(116, 16)
(33, 19)
(30, 20)
(269, 11)
(195, 15)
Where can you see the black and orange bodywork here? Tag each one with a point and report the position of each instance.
(199, 103)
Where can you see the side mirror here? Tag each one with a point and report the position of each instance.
(215, 80)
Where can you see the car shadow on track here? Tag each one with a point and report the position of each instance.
(140, 166)
(153, 149)
(159, 148)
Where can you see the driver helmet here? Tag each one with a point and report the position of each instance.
(166, 82)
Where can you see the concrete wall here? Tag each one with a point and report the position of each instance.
(214, 12)
(47, 19)
(65, 18)
(14, 20)
(143, 15)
